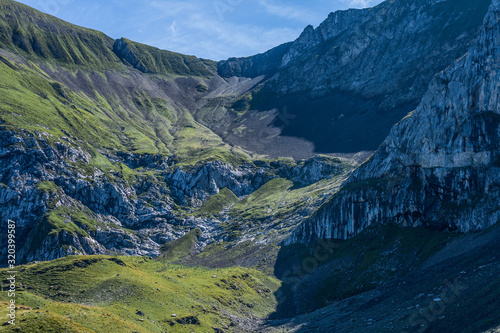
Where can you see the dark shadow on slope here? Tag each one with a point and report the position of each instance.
(327, 271)
(342, 122)
(391, 279)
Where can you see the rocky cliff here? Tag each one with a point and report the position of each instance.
(65, 201)
(439, 167)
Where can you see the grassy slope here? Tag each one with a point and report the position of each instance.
(31, 100)
(31, 33)
(218, 202)
(104, 294)
(95, 109)
(269, 213)
(38, 52)
(277, 198)
(181, 247)
(28, 100)
(280, 200)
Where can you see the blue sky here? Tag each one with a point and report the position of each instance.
(212, 29)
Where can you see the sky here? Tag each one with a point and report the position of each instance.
(211, 29)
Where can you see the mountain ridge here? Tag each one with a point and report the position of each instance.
(299, 76)
(144, 121)
(47, 37)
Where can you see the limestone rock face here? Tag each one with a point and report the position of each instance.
(440, 166)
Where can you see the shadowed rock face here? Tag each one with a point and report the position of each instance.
(439, 166)
(348, 81)
(262, 64)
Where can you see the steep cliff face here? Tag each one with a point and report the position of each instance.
(439, 167)
(266, 63)
(411, 40)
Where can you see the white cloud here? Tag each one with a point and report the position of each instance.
(172, 27)
(222, 38)
(289, 12)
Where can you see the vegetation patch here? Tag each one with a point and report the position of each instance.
(47, 187)
(181, 247)
(218, 202)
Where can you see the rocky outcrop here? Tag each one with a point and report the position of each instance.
(62, 205)
(193, 185)
(261, 64)
(204, 180)
(64, 202)
(439, 167)
(406, 37)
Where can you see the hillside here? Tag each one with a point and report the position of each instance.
(135, 294)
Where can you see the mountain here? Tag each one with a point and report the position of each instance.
(360, 71)
(439, 167)
(169, 192)
(72, 68)
(111, 145)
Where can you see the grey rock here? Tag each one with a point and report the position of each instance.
(439, 167)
